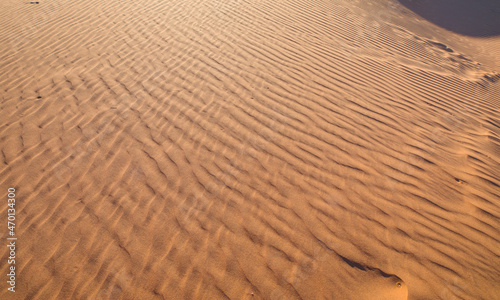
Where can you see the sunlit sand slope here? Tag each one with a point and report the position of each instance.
(210, 149)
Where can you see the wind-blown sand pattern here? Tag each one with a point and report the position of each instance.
(209, 149)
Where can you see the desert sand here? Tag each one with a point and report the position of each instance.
(208, 149)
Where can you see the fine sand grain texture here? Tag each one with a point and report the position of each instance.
(209, 149)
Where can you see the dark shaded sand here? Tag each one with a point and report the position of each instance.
(468, 17)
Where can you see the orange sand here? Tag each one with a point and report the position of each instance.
(248, 150)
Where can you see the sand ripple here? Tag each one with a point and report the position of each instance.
(247, 150)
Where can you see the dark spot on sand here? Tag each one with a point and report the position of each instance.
(492, 77)
(441, 46)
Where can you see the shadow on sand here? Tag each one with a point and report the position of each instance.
(480, 18)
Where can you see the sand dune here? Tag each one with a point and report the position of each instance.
(248, 150)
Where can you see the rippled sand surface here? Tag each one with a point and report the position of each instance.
(209, 149)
